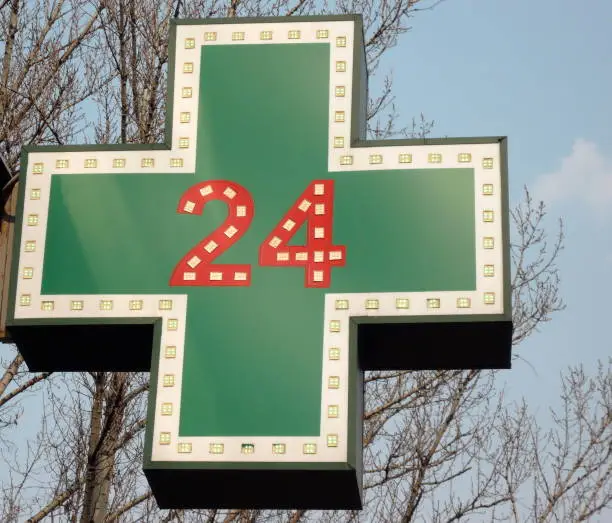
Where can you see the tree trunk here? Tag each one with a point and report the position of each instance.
(108, 407)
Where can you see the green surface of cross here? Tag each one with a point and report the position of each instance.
(253, 355)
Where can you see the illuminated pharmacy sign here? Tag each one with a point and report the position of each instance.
(259, 261)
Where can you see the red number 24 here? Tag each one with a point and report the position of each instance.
(318, 256)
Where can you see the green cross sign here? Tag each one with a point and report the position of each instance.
(259, 261)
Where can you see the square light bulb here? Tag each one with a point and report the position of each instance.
(334, 353)
(193, 262)
(279, 448)
(106, 305)
(332, 440)
(342, 304)
(184, 448)
(247, 448)
(402, 303)
(230, 231)
(165, 305)
(463, 303)
(211, 246)
(309, 448)
(76, 305)
(216, 448)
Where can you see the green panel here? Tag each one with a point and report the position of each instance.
(405, 230)
(253, 354)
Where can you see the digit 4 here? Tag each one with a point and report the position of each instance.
(319, 255)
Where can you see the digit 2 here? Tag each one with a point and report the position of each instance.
(196, 267)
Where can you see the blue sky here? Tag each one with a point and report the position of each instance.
(539, 73)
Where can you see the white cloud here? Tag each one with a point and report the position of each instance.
(585, 177)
